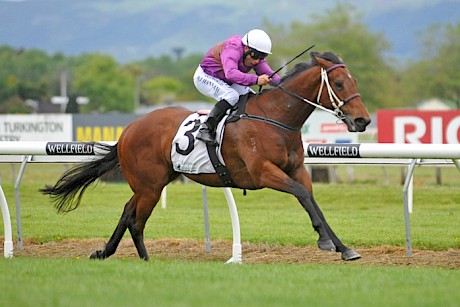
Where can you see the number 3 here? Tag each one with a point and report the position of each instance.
(191, 139)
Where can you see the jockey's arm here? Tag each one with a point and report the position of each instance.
(230, 58)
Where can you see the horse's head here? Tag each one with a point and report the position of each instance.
(338, 91)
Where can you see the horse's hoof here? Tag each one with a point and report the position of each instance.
(326, 245)
(96, 255)
(350, 255)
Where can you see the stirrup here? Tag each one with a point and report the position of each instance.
(205, 135)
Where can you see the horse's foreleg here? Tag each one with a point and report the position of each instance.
(347, 253)
(303, 178)
(115, 239)
(274, 178)
(305, 198)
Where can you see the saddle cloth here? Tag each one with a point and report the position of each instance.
(189, 155)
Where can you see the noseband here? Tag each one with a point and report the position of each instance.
(333, 98)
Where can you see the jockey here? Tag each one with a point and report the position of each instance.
(223, 75)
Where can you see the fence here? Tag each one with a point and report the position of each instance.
(76, 152)
(395, 154)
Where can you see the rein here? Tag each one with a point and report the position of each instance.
(268, 121)
(333, 98)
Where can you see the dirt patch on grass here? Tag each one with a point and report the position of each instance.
(221, 251)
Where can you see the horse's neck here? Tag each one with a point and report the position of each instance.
(280, 106)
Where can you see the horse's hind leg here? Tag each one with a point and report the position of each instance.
(144, 205)
(135, 214)
(117, 235)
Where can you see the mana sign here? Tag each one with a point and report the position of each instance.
(412, 126)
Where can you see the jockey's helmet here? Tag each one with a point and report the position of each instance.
(258, 40)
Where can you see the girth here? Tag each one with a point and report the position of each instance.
(221, 170)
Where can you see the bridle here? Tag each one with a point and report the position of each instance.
(336, 102)
(334, 99)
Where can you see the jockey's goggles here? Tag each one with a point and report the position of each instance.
(257, 55)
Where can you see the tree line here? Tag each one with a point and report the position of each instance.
(28, 76)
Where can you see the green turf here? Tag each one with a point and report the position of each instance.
(361, 214)
(71, 282)
(365, 213)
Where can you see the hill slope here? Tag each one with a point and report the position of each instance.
(131, 30)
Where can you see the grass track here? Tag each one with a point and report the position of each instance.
(70, 282)
(365, 213)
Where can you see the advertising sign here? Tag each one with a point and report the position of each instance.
(36, 127)
(323, 127)
(100, 127)
(69, 148)
(415, 127)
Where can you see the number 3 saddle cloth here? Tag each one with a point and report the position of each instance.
(189, 155)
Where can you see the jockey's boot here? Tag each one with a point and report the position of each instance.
(207, 132)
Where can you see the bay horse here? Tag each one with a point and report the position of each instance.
(263, 149)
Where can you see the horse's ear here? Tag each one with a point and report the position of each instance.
(322, 62)
(313, 56)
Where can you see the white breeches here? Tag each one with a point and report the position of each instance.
(218, 89)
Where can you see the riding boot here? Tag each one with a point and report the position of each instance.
(207, 132)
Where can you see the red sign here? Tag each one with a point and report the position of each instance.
(412, 126)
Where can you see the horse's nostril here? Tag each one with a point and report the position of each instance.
(362, 122)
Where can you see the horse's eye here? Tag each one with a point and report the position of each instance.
(338, 85)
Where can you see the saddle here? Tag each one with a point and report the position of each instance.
(219, 167)
(192, 156)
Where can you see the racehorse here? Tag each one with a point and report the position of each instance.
(263, 149)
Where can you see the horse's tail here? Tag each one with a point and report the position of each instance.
(69, 189)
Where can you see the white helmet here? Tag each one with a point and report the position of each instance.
(259, 40)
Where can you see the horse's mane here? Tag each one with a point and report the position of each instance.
(298, 68)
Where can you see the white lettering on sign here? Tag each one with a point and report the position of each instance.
(418, 126)
(400, 134)
(333, 150)
(452, 131)
(69, 148)
(436, 125)
(412, 129)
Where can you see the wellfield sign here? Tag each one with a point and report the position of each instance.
(415, 127)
